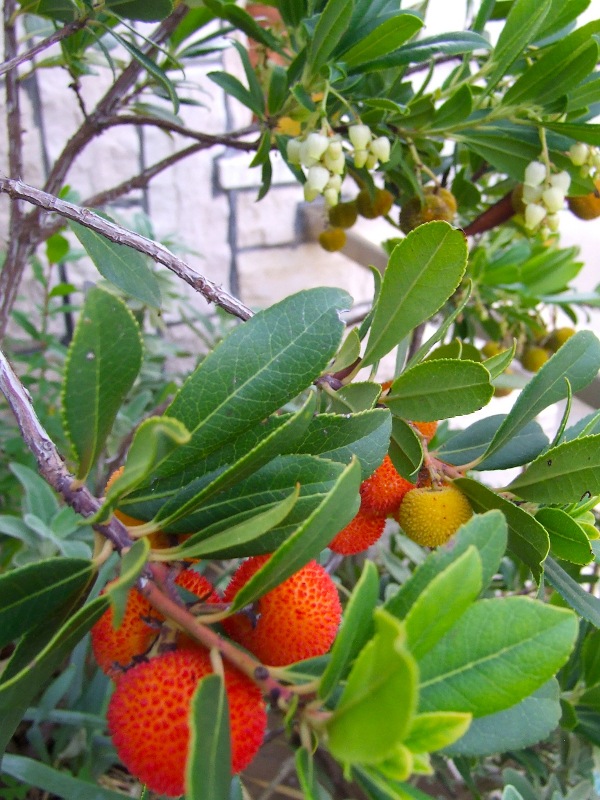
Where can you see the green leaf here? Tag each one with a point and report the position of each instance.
(520, 726)
(499, 651)
(526, 537)
(584, 603)
(578, 360)
(405, 450)
(57, 248)
(386, 38)
(142, 10)
(472, 443)
(454, 590)
(525, 19)
(121, 265)
(436, 729)
(243, 22)
(356, 397)
(423, 272)
(440, 389)
(103, 362)
(132, 564)
(236, 88)
(208, 765)
(336, 510)
(228, 543)
(454, 43)
(257, 368)
(153, 70)
(588, 132)
(18, 691)
(590, 658)
(328, 31)
(567, 540)
(487, 532)
(278, 89)
(567, 473)
(455, 109)
(52, 781)
(561, 68)
(306, 774)
(35, 591)
(384, 677)
(355, 630)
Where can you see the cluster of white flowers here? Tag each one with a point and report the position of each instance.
(587, 157)
(323, 159)
(544, 196)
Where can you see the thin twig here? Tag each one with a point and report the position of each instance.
(119, 235)
(230, 140)
(49, 461)
(54, 38)
(493, 216)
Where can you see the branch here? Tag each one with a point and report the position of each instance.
(119, 235)
(49, 461)
(493, 216)
(55, 37)
(230, 140)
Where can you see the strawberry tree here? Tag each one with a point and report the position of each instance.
(288, 434)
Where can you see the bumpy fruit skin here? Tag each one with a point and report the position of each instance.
(332, 239)
(586, 206)
(382, 493)
(431, 516)
(534, 358)
(149, 710)
(343, 215)
(426, 429)
(377, 206)
(116, 650)
(364, 530)
(558, 337)
(296, 620)
(439, 204)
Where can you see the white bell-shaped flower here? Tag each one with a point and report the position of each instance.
(360, 136)
(562, 181)
(579, 153)
(535, 173)
(534, 215)
(312, 148)
(381, 148)
(553, 199)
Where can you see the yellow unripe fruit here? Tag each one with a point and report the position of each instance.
(332, 239)
(558, 337)
(430, 516)
(586, 206)
(491, 349)
(438, 203)
(343, 215)
(377, 206)
(534, 358)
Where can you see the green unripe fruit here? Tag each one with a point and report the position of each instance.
(438, 204)
(491, 349)
(558, 337)
(332, 239)
(534, 358)
(377, 206)
(343, 215)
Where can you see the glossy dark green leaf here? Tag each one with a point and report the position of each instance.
(405, 450)
(454, 589)
(132, 564)
(454, 43)
(141, 10)
(18, 692)
(584, 603)
(470, 444)
(354, 397)
(278, 89)
(455, 109)
(567, 473)
(423, 272)
(590, 658)
(387, 37)
(384, 677)
(330, 27)
(527, 539)
(500, 651)
(103, 362)
(567, 539)
(355, 630)
(440, 389)
(292, 11)
(577, 361)
(520, 726)
(236, 88)
(487, 532)
(525, 19)
(207, 769)
(244, 22)
(588, 133)
(35, 591)
(335, 511)
(125, 268)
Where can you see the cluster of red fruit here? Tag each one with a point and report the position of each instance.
(156, 667)
(429, 515)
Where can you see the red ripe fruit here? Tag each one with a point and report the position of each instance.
(382, 493)
(149, 710)
(115, 650)
(426, 429)
(296, 620)
(364, 530)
